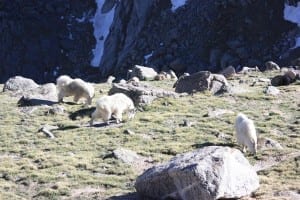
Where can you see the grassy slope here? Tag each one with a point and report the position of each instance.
(74, 164)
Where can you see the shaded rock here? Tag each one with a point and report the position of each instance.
(270, 65)
(271, 90)
(281, 80)
(291, 74)
(178, 66)
(143, 73)
(19, 84)
(212, 172)
(201, 81)
(141, 94)
(228, 72)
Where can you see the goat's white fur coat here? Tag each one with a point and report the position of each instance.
(78, 88)
(246, 133)
(114, 105)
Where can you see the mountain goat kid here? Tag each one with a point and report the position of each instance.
(78, 88)
(246, 133)
(114, 105)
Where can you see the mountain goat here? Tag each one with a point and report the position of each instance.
(114, 105)
(78, 88)
(246, 133)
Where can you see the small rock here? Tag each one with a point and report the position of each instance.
(110, 79)
(268, 143)
(270, 65)
(126, 156)
(228, 71)
(271, 90)
(291, 74)
(129, 132)
(56, 109)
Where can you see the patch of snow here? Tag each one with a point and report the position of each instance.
(177, 3)
(292, 14)
(101, 24)
(297, 42)
(146, 57)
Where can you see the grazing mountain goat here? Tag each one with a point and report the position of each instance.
(67, 86)
(114, 105)
(246, 133)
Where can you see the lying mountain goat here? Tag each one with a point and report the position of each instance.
(67, 86)
(246, 133)
(114, 105)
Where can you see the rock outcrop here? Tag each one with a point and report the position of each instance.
(141, 94)
(202, 81)
(30, 93)
(209, 173)
(56, 37)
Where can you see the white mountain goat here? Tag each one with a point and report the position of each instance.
(78, 88)
(114, 105)
(246, 133)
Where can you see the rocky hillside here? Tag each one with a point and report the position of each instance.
(43, 39)
(48, 150)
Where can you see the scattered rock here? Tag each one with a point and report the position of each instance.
(271, 90)
(131, 158)
(246, 70)
(201, 81)
(110, 79)
(56, 109)
(126, 156)
(218, 113)
(186, 123)
(42, 95)
(268, 143)
(281, 80)
(143, 73)
(270, 65)
(212, 172)
(228, 72)
(129, 132)
(291, 74)
(19, 84)
(141, 94)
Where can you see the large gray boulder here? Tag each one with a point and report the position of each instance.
(201, 81)
(143, 73)
(19, 84)
(30, 93)
(209, 173)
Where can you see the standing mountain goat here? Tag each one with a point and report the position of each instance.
(246, 133)
(114, 105)
(67, 86)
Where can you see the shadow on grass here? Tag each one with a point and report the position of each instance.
(23, 102)
(86, 112)
(129, 196)
(206, 144)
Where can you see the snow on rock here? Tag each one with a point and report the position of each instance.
(177, 3)
(146, 57)
(292, 14)
(101, 23)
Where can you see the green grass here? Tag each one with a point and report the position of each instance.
(76, 162)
